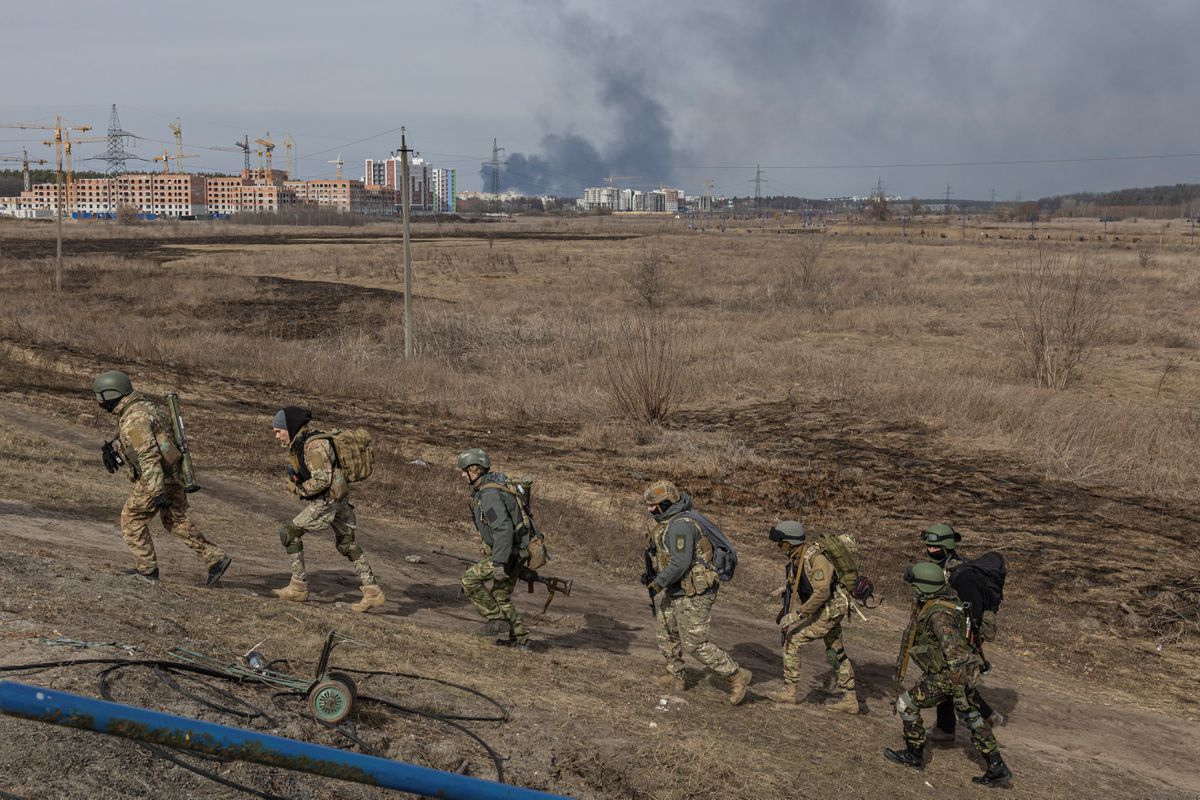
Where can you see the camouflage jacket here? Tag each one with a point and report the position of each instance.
(810, 582)
(937, 642)
(147, 443)
(312, 463)
(498, 520)
(681, 553)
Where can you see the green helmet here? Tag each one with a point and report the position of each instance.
(788, 531)
(111, 385)
(474, 457)
(941, 535)
(926, 577)
(661, 491)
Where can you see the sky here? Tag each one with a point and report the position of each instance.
(1021, 98)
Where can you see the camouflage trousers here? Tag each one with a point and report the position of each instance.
(135, 529)
(933, 689)
(319, 514)
(826, 626)
(494, 603)
(683, 624)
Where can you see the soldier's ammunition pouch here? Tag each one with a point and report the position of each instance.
(698, 580)
(290, 537)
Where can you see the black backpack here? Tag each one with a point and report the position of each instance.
(724, 560)
(981, 578)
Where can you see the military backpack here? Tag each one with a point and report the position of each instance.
(842, 551)
(521, 489)
(724, 557)
(351, 451)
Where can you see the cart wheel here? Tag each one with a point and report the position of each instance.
(342, 677)
(330, 700)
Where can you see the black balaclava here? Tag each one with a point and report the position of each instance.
(294, 418)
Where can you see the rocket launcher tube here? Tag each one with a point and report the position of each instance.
(187, 471)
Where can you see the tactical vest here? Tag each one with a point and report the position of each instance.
(925, 650)
(701, 576)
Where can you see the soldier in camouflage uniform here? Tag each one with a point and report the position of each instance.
(505, 548)
(147, 446)
(935, 642)
(679, 566)
(814, 607)
(314, 476)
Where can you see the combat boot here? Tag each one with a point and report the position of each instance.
(672, 681)
(217, 570)
(296, 591)
(492, 627)
(151, 576)
(997, 772)
(739, 682)
(372, 597)
(910, 757)
(785, 696)
(847, 704)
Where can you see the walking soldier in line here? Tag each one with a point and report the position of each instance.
(680, 567)
(505, 545)
(315, 476)
(814, 607)
(146, 445)
(936, 643)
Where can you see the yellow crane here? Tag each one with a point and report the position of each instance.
(59, 129)
(338, 163)
(67, 142)
(289, 144)
(25, 161)
(268, 147)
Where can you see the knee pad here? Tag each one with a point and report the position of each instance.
(907, 709)
(350, 550)
(971, 718)
(290, 537)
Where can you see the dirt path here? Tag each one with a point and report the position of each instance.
(1066, 737)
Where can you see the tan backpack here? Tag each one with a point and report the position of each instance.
(352, 451)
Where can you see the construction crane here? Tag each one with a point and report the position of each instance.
(244, 144)
(289, 145)
(337, 163)
(59, 130)
(268, 147)
(67, 142)
(239, 148)
(166, 159)
(25, 161)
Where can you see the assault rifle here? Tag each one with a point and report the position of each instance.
(553, 585)
(187, 471)
(648, 576)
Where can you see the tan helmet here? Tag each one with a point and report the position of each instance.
(660, 491)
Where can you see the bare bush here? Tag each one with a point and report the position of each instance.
(645, 370)
(1145, 257)
(1060, 310)
(128, 215)
(649, 279)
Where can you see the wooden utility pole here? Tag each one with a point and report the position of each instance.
(404, 208)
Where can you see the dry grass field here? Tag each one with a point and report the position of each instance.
(849, 377)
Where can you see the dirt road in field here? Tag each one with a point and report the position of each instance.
(1068, 735)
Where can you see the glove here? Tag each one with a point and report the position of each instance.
(654, 589)
(778, 592)
(787, 622)
(162, 501)
(647, 576)
(110, 458)
(499, 572)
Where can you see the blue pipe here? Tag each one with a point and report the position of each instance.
(116, 719)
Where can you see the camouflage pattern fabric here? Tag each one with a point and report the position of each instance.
(494, 603)
(951, 669)
(934, 689)
(139, 509)
(143, 429)
(683, 625)
(828, 628)
(321, 513)
(318, 462)
(817, 616)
